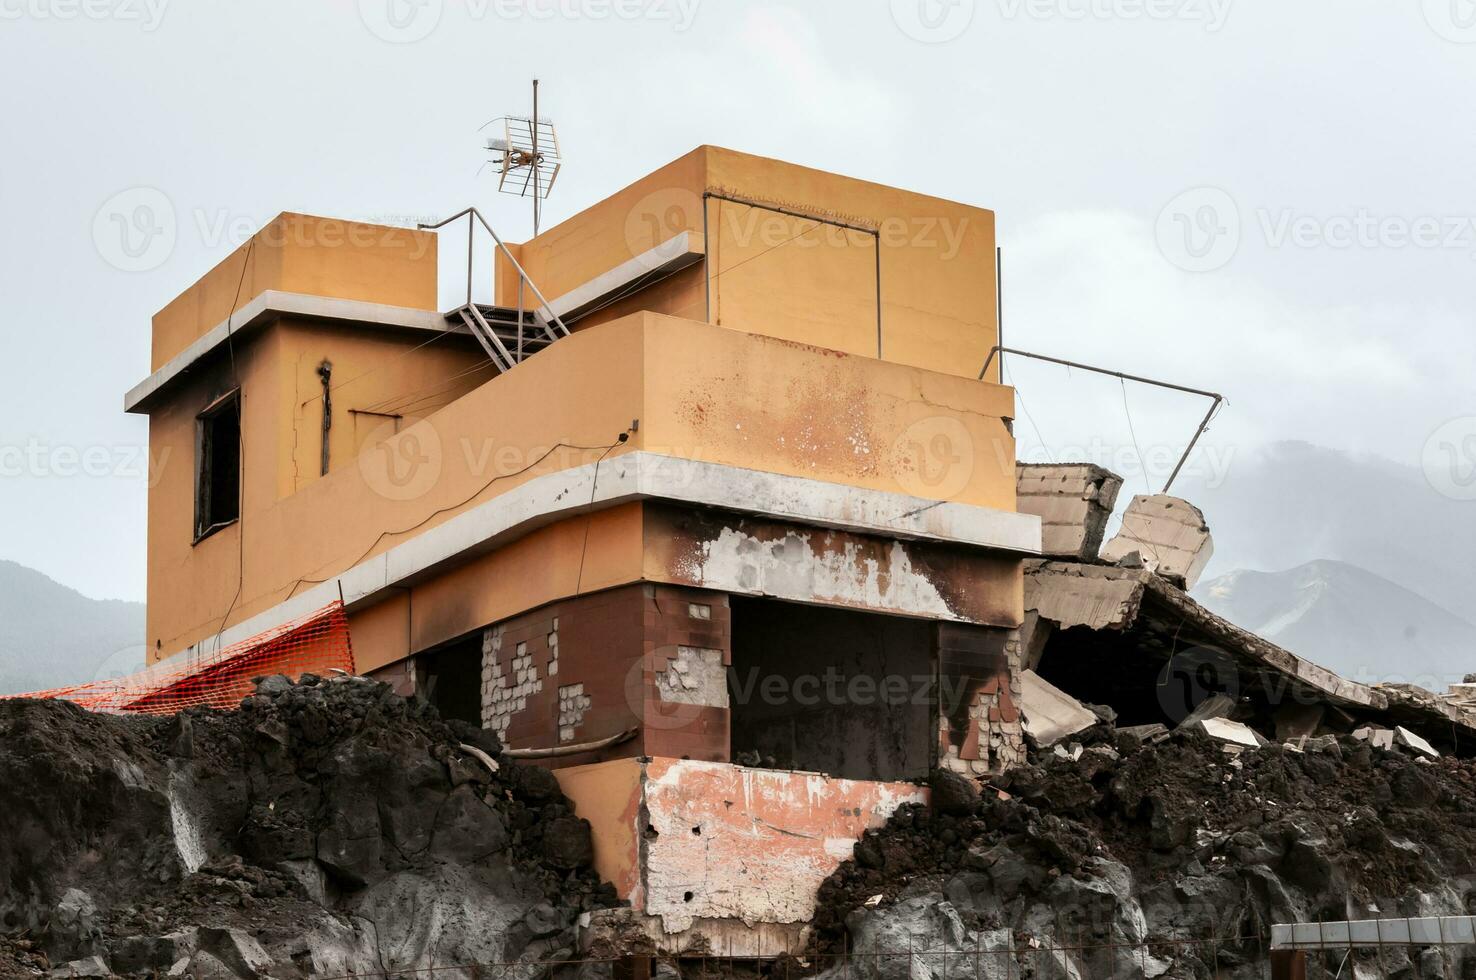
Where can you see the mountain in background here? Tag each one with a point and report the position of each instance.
(1350, 620)
(1292, 503)
(52, 636)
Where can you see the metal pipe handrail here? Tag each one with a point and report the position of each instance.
(522, 273)
(1203, 425)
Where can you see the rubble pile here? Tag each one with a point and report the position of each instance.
(329, 827)
(1124, 856)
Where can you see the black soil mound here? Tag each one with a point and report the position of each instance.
(325, 827)
(1183, 849)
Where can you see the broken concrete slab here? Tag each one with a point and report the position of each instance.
(1103, 615)
(1169, 533)
(1379, 738)
(1410, 740)
(1225, 730)
(1048, 713)
(1071, 594)
(1146, 734)
(1073, 502)
(1035, 632)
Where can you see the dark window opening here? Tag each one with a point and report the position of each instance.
(218, 473)
(847, 693)
(451, 678)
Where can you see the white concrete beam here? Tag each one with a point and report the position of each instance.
(647, 476)
(272, 303)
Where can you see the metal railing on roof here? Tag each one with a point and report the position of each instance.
(473, 316)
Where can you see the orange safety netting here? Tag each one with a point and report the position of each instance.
(317, 643)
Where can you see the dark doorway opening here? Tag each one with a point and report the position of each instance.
(451, 678)
(837, 691)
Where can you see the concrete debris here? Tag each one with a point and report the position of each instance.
(1409, 739)
(1225, 730)
(1146, 734)
(1073, 753)
(1169, 533)
(1048, 713)
(1073, 502)
(1379, 738)
(1110, 634)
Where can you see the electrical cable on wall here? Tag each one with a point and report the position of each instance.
(241, 447)
(604, 451)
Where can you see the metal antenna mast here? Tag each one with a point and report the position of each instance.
(527, 157)
(537, 203)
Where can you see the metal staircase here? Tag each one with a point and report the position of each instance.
(509, 336)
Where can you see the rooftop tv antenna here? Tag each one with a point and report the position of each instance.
(526, 157)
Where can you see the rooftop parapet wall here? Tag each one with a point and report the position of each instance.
(701, 393)
(931, 262)
(299, 253)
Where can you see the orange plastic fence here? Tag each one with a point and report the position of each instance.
(317, 643)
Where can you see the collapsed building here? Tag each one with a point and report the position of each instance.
(1113, 623)
(706, 507)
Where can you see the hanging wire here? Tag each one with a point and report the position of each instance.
(1142, 463)
(1026, 412)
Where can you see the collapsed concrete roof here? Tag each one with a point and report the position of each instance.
(1127, 636)
(1158, 621)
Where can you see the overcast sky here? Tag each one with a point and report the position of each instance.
(1272, 200)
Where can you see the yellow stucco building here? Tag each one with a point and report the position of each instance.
(711, 486)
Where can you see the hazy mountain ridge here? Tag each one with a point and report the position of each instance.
(1291, 503)
(1350, 620)
(51, 635)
